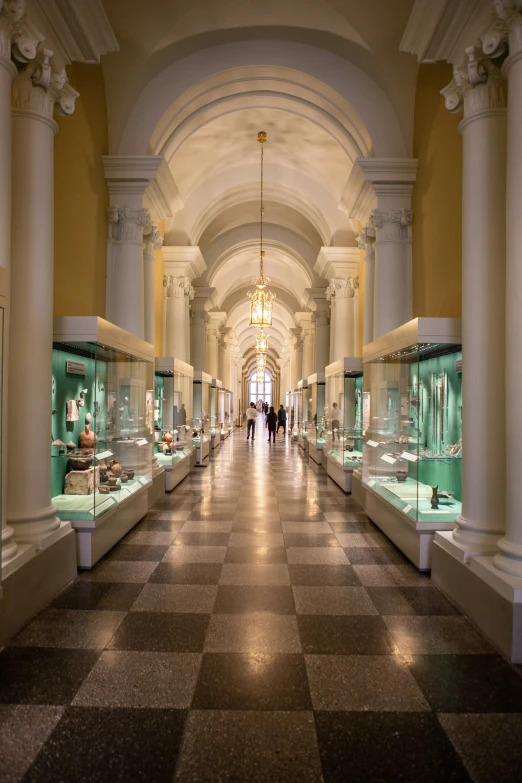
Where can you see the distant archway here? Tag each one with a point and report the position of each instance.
(261, 391)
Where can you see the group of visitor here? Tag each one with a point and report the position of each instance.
(273, 421)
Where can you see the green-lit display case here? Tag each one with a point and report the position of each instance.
(173, 399)
(102, 426)
(216, 398)
(317, 426)
(342, 421)
(297, 412)
(413, 446)
(201, 416)
(302, 419)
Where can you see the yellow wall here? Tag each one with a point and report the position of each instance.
(81, 199)
(437, 199)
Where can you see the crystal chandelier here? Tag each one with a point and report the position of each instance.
(261, 362)
(261, 342)
(260, 377)
(261, 298)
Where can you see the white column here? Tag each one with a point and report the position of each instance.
(189, 296)
(321, 339)
(366, 241)
(175, 316)
(152, 240)
(305, 321)
(297, 356)
(509, 559)
(187, 262)
(340, 266)
(392, 181)
(128, 177)
(36, 92)
(198, 338)
(482, 93)
(8, 20)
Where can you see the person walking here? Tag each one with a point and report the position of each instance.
(271, 421)
(281, 419)
(336, 423)
(251, 416)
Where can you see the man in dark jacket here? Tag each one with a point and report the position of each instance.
(271, 421)
(281, 419)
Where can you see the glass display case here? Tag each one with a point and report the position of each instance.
(413, 444)
(302, 421)
(221, 413)
(342, 420)
(9, 548)
(173, 398)
(317, 426)
(102, 424)
(216, 395)
(297, 412)
(201, 416)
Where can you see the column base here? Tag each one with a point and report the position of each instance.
(463, 547)
(9, 545)
(473, 541)
(490, 599)
(41, 528)
(32, 579)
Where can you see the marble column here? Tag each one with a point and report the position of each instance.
(175, 316)
(330, 295)
(216, 321)
(509, 558)
(297, 356)
(152, 240)
(392, 182)
(128, 177)
(199, 318)
(187, 262)
(340, 266)
(319, 304)
(366, 242)
(38, 91)
(481, 91)
(305, 321)
(9, 18)
(189, 296)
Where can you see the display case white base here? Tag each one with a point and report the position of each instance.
(95, 538)
(33, 578)
(315, 453)
(174, 474)
(201, 454)
(303, 442)
(157, 489)
(413, 539)
(215, 440)
(492, 600)
(341, 476)
(358, 489)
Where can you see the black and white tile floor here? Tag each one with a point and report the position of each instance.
(256, 627)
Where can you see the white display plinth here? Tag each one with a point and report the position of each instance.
(96, 537)
(201, 453)
(177, 471)
(315, 452)
(358, 488)
(303, 442)
(215, 440)
(157, 488)
(341, 476)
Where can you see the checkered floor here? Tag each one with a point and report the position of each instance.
(256, 627)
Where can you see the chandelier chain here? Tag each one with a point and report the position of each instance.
(261, 211)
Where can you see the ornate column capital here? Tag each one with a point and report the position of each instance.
(504, 37)
(320, 318)
(189, 293)
(174, 286)
(41, 90)
(198, 317)
(391, 224)
(366, 241)
(343, 287)
(11, 14)
(152, 240)
(127, 224)
(477, 83)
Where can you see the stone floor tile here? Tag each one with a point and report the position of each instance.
(332, 600)
(154, 537)
(254, 539)
(306, 528)
(362, 683)
(23, 729)
(254, 574)
(421, 635)
(122, 571)
(489, 745)
(250, 746)
(118, 745)
(390, 576)
(317, 575)
(231, 681)
(342, 635)
(411, 600)
(145, 679)
(304, 540)
(246, 633)
(39, 675)
(111, 596)
(206, 527)
(317, 556)
(195, 599)
(195, 554)
(255, 554)
(374, 555)
(187, 573)
(253, 600)
(202, 539)
(71, 629)
(161, 632)
(384, 746)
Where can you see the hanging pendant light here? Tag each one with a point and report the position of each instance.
(260, 378)
(261, 342)
(261, 362)
(261, 298)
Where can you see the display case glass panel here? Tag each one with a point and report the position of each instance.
(302, 420)
(201, 408)
(413, 445)
(341, 424)
(221, 410)
(316, 400)
(102, 426)
(297, 410)
(173, 397)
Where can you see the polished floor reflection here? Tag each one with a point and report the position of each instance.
(256, 627)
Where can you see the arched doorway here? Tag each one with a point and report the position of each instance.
(261, 391)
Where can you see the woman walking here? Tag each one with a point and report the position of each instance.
(271, 421)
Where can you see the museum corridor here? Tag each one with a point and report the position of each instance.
(256, 626)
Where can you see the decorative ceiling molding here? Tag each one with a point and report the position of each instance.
(358, 198)
(335, 262)
(77, 31)
(388, 169)
(440, 30)
(183, 261)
